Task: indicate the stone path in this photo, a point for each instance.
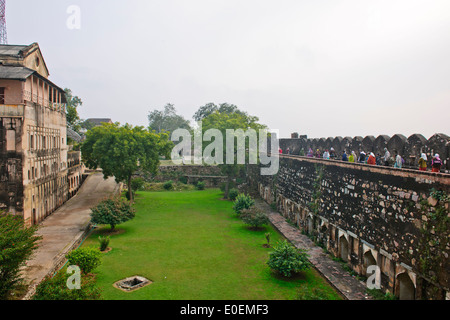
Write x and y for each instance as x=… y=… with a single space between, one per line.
x=65 y=229
x=349 y=287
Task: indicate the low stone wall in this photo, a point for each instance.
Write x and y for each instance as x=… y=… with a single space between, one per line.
x=409 y=148
x=366 y=215
x=211 y=175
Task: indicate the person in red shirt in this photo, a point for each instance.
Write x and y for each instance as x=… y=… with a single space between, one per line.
x=436 y=164
x=372 y=159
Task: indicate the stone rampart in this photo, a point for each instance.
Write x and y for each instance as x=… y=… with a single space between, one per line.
x=365 y=215
x=409 y=148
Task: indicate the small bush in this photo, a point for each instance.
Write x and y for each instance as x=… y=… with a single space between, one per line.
x=86 y=258
x=56 y=289
x=254 y=218
x=168 y=185
x=232 y=194
x=200 y=185
x=104 y=242
x=288 y=260
x=242 y=202
x=137 y=184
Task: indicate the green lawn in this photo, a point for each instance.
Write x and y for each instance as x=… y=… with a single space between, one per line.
x=193 y=247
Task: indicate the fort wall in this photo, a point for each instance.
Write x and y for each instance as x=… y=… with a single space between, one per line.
x=365 y=215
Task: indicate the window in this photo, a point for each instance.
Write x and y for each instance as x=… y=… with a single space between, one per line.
x=2 y=95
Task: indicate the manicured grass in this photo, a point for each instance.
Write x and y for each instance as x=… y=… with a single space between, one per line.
x=193 y=247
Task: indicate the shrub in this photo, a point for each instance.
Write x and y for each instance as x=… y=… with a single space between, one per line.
x=56 y=289
x=17 y=243
x=200 y=185
x=233 y=193
x=86 y=258
x=104 y=242
x=242 y=202
x=254 y=218
x=168 y=185
x=137 y=184
x=183 y=179
x=288 y=260
x=112 y=211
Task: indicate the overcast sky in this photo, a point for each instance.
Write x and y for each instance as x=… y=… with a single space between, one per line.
x=318 y=67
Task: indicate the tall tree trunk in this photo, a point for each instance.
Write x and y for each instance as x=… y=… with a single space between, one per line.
x=227 y=187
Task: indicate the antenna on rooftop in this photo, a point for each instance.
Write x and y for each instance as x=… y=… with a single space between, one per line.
x=3 y=34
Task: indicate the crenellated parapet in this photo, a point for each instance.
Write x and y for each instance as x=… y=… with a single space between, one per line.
x=410 y=148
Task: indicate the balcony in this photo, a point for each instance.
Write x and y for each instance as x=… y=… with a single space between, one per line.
x=28 y=96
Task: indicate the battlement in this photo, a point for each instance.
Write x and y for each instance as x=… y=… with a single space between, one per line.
x=409 y=148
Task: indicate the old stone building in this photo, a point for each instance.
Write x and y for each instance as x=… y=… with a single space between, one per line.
x=33 y=136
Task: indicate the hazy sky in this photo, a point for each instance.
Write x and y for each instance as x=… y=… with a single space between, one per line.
x=318 y=67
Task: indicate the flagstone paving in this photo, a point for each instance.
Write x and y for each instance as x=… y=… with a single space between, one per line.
x=350 y=287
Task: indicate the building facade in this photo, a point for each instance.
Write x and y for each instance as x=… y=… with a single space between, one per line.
x=33 y=136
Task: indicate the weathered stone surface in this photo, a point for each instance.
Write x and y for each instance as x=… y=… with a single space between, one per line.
x=409 y=148
x=377 y=204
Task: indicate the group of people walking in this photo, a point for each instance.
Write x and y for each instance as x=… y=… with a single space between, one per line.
x=370 y=158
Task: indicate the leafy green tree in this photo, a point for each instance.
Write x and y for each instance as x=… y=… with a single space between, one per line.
x=167 y=120
x=211 y=108
x=233 y=119
x=112 y=211
x=17 y=243
x=72 y=117
x=120 y=151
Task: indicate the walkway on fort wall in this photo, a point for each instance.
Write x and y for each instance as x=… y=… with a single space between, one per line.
x=348 y=286
x=65 y=229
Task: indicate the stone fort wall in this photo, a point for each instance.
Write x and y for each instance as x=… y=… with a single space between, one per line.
x=409 y=148
x=365 y=215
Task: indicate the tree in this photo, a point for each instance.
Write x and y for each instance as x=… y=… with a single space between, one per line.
x=210 y=108
x=72 y=117
x=231 y=118
x=120 y=151
x=112 y=211
x=17 y=243
x=167 y=120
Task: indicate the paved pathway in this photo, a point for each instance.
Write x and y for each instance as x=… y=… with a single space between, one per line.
x=65 y=228
x=350 y=287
